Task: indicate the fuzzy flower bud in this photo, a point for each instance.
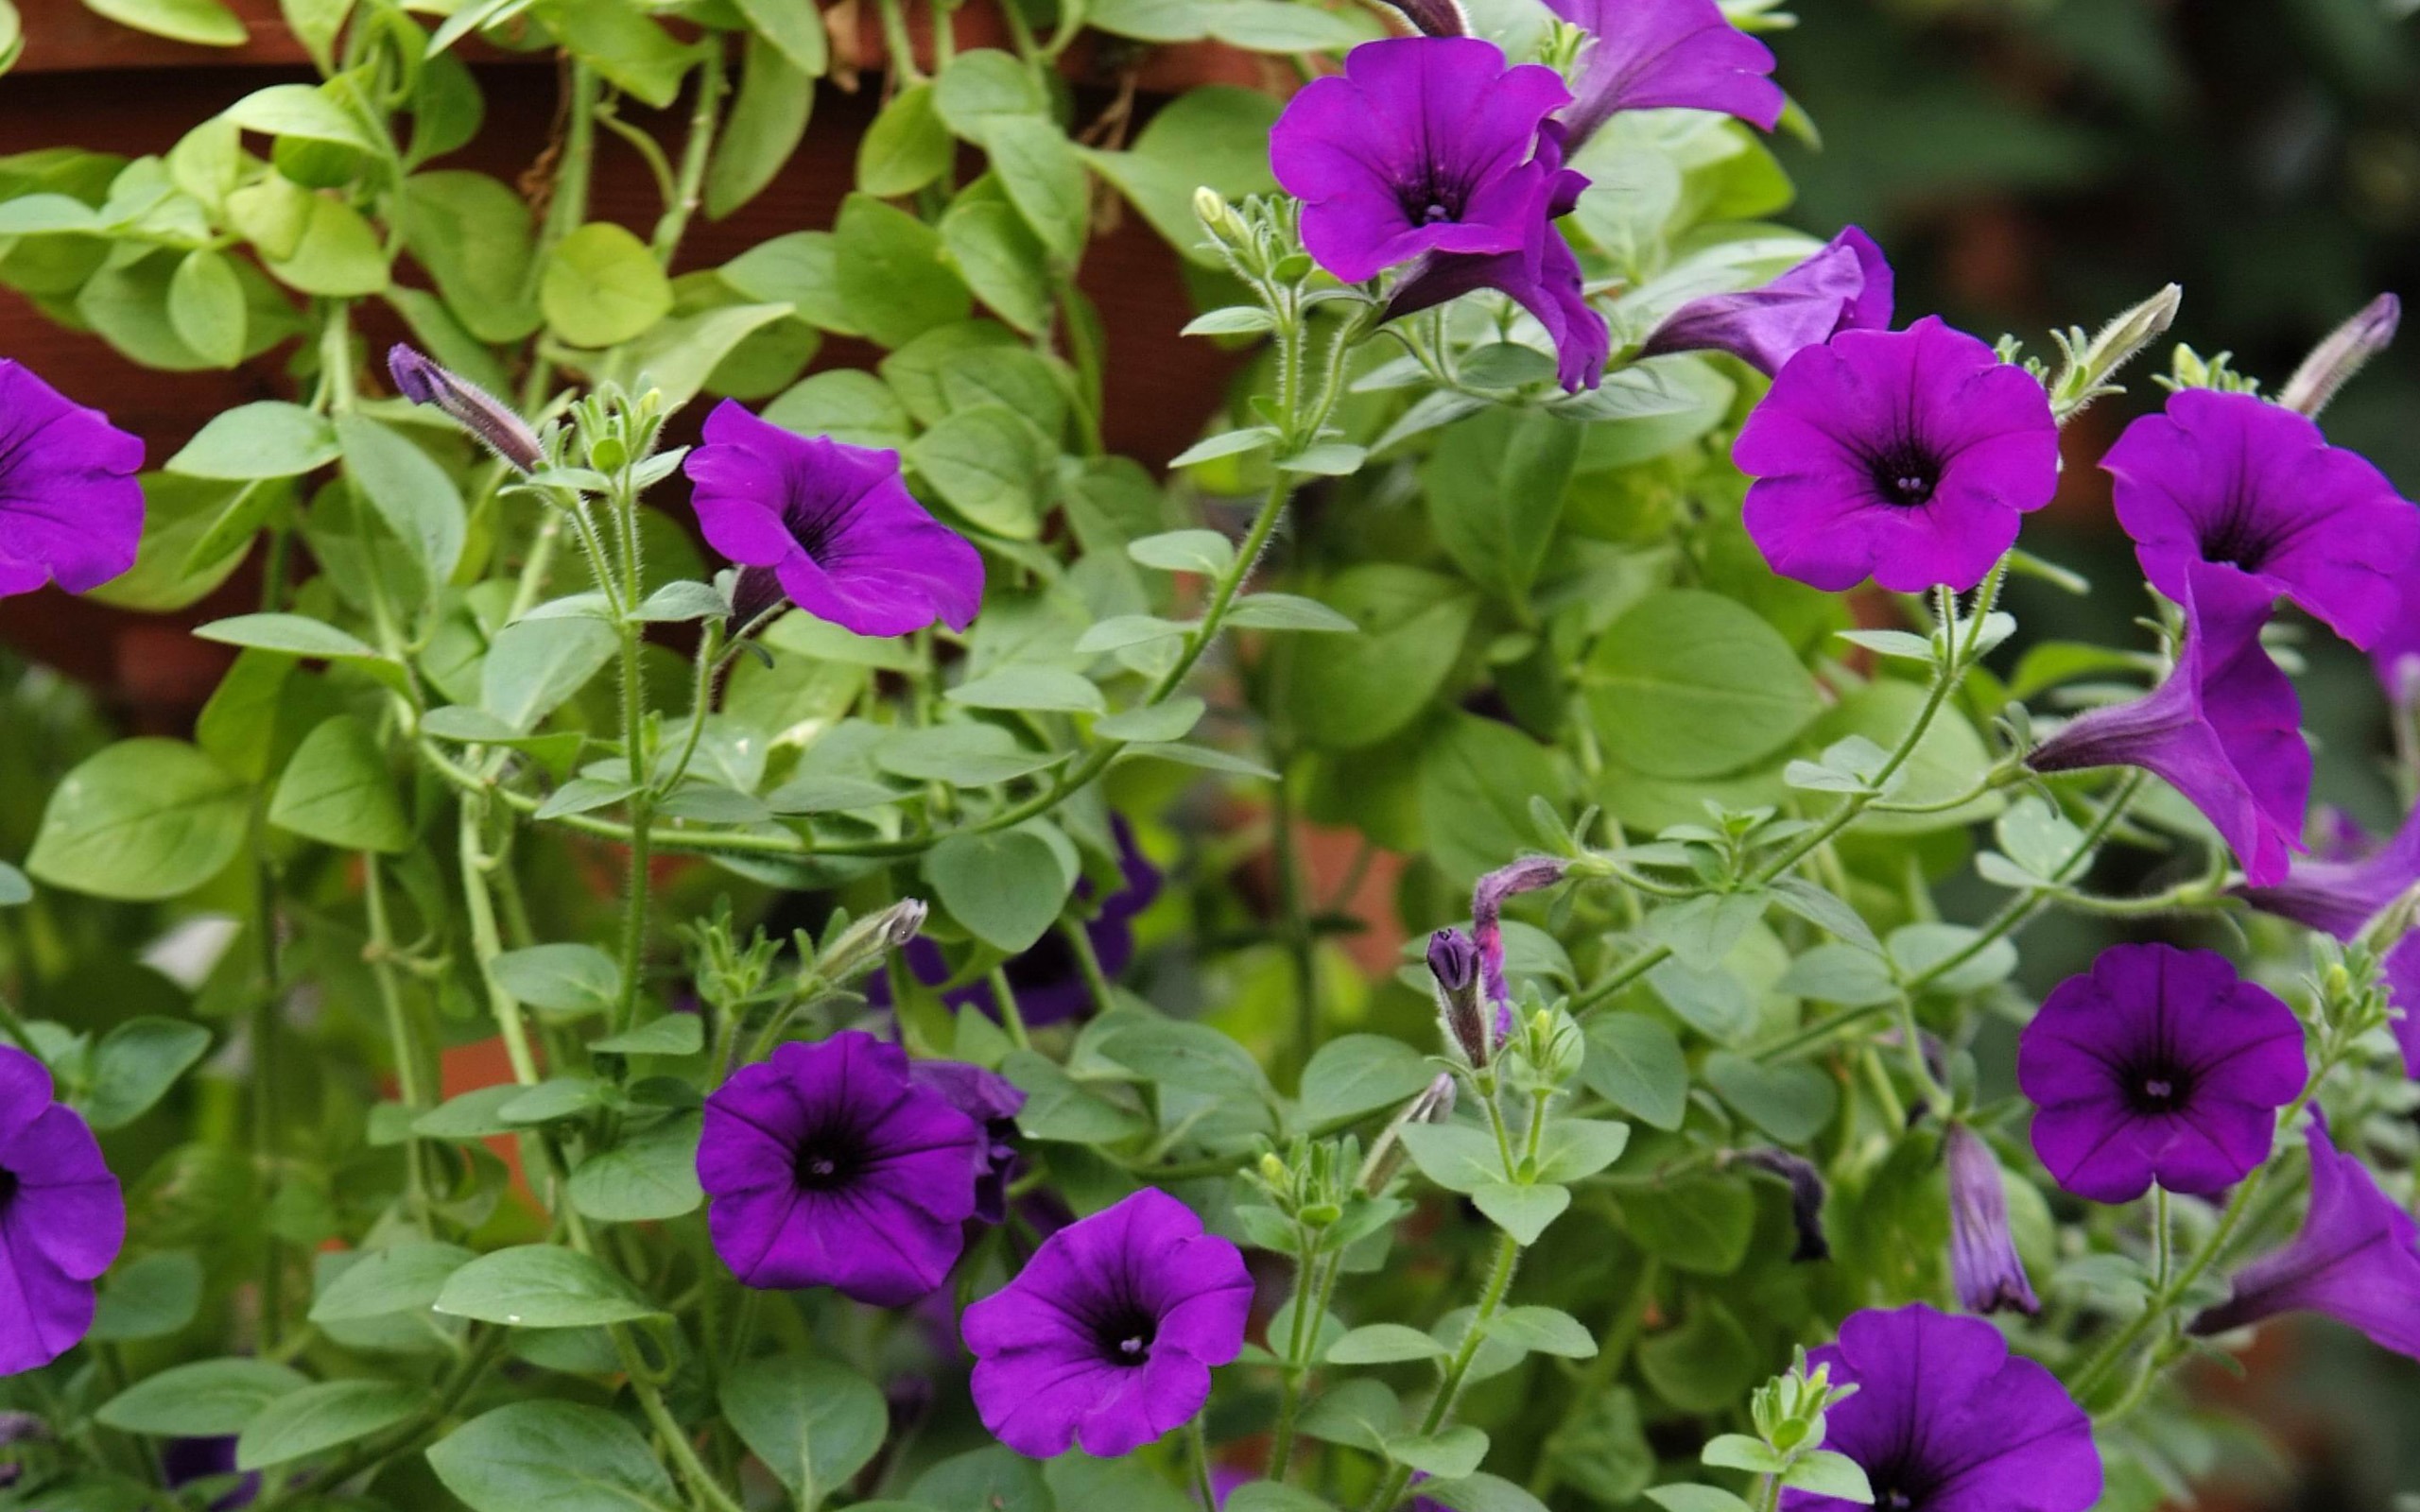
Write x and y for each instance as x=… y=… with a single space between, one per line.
x=1983 y=1257
x=866 y=941
x=2334 y=361
x=470 y=407
x=1454 y=962
x=1434 y=1105
x=1528 y=874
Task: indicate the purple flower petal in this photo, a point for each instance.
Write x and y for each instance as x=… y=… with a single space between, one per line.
x=1846 y=287
x=2340 y=896
x=1945 y=1419
x=2234 y=479
x=1907 y=456
x=1651 y=53
x=1107 y=1338
x=71 y=511
x=62 y=1218
x=835 y=526
x=1983 y=1263
x=2159 y=1065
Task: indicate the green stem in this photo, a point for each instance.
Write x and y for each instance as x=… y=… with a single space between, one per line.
x=1612 y=1351
x=1299 y=947
x=567 y=206
x=1289 y=1398
x=1011 y=1017
x=390 y=999
x=1080 y=941
x=688 y=192
x=265 y=1068
x=642 y=808
x=1449 y=1389
x=486 y=945
x=1202 y=1487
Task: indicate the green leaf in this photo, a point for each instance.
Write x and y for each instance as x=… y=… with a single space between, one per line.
x=888 y=272
x=1523 y=1212
x=1457 y=1157
x=542 y=1286
x=1700 y=1226
x=986 y=464
x=1636 y=1063
x=411 y=494
x=1919 y=950
x=1044 y=180
x=322 y=1417
x=473 y=233
x=1155 y=723
x=1822 y=1472
x=621 y=43
x=141 y=820
x=1944 y=765
x=1282 y=27
x=16 y=891
x=1000 y=259
x=535 y=665
x=602 y=286
x=1577 y=1147
x=1451 y=1453
x=148 y=1298
x=847 y=405
x=1060 y=1108
x=265 y=439
x=1477 y=777
x=309 y=111
x=1359 y=1073
x=1353 y=692
x=383 y=1283
x=1793 y=1101
x=681 y=354
x=1215 y=137
x=337 y=253
x=982 y=84
x=1030 y=687
x=1688 y=683
x=1544 y=1330
x=1384 y=1344
x=552 y=1456
x=1226 y=443
x=814 y=1423
x=294 y=634
x=1494 y=486
x=206 y=306
x=473 y=1115
x=1007 y=888
x=675 y=1034
x=1737 y=1452
x=906 y=148
x=568 y=979
x=1705 y=1364
x=1481 y=1492
x=996 y=1480
x=202 y=23
x=338 y=790
x=967 y=755
x=765 y=127
x=135 y=1064
x=1286 y=611
x=1695 y=1499
x=1204 y=552
x=795 y=27
x=651 y=1175
x=802 y=270
x=1267 y=1496
x=208 y=1399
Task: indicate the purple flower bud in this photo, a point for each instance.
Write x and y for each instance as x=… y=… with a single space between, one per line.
x=1807 y=1193
x=2332 y=364
x=1454 y=960
x=1438 y=18
x=1982 y=1258
x=467 y=404
x=1528 y=874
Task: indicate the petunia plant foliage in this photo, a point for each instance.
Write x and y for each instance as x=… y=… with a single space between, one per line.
x=757 y=919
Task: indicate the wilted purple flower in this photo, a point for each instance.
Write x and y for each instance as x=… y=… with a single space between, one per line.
x=1432 y=1104
x=183 y=1461
x=1048 y=981
x=1422 y=144
x=829 y=524
x=1528 y=874
x=1907 y=456
x=2348 y=348
x=2235 y=480
x=2340 y=896
x=830 y=1166
x=1108 y=1335
x=1807 y=1194
x=1984 y=1264
x=2224 y=727
x=1846 y=287
x=61 y=1218
x=2356 y=1260
x=2159 y=1065
x=1453 y=970
x=1651 y=53
x=1945 y=1419
x=1542 y=276
x=467 y=404
x=992 y=1102
x=70 y=509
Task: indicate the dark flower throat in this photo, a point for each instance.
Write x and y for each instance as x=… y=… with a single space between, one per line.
x=1125 y=1335
x=1905 y=475
x=9 y=1185
x=827 y=1159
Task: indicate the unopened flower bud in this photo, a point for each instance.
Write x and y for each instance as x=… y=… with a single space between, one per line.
x=1272 y=1170
x=1528 y=874
x=1437 y=18
x=467 y=404
x=1454 y=963
x=866 y=941
x=1984 y=1266
x=2334 y=361
x=1434 y=1105
x=1806 y=1199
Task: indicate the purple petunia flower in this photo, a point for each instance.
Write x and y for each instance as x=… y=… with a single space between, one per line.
x=183 y=1461
x=2161 y=1065
x=1983 y=1263
x=2224 y=727
x=1846 y=287
x=474 y=409
x=992 y=1102
x=830 y=525
x=2233 y=478
x=1047 y=981
x=2394 y=654
x=1649 y=54
x=2356 y=1260
x=2402 y=969
x=61 y=1218
x=830 y=1166
x=1529 y=874
x=1108 y=1335
x=1905 y=456
x=1945 y=1419
x=2340 y=896
x=1542 y=276
x=1454 y=968
x=71 y=511
x=1422 y=144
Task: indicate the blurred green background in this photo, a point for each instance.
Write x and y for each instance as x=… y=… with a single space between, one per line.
x=2031 y=163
